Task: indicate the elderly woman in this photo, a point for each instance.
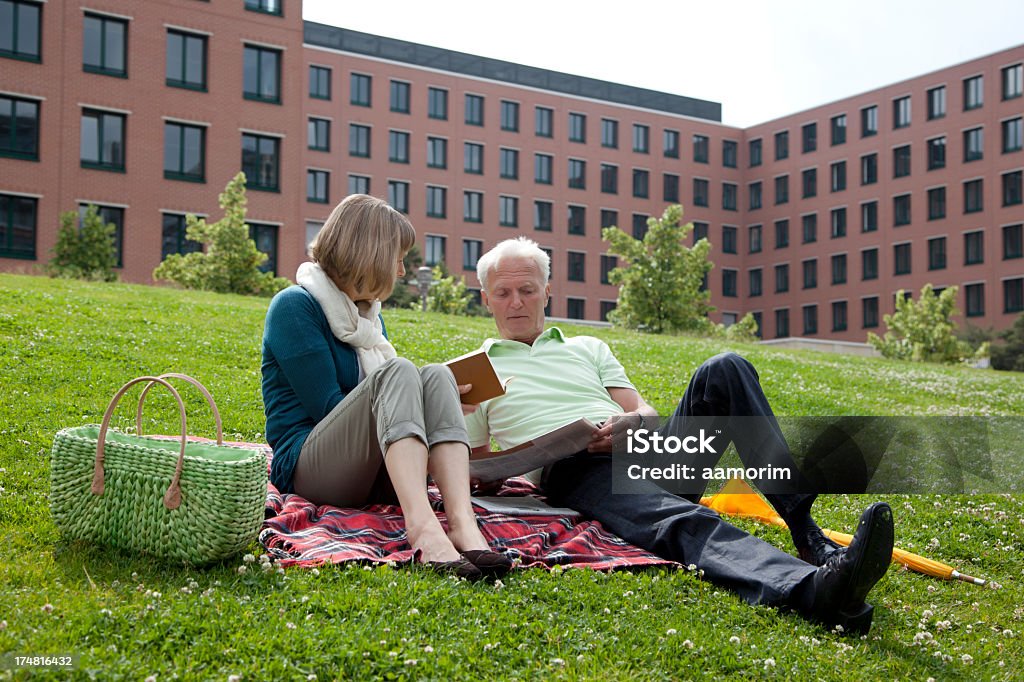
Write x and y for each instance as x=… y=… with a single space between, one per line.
x=352 y=424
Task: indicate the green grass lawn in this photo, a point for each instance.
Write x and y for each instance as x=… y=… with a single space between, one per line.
x=65 y=347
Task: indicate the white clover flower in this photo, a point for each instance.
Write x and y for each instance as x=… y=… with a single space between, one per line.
x=498 y=585
x=1007 y=632
x=242 y=569
x=428 y=649
x=106 y=612
x=264 y=558
x=927 y=614
x=488 y=646
x=151 y=678
x=557 y=661
x=967 y=659
x=311 y=677
x=267 y=568
x=315 y=572
x=3 y=624
x=249 y=558
x=769 y=663
x=47 y=608
x=411 y=661
x=392 y=654
x=687 y=644
x=670 y=632
x=234 y=678
x=691 y=567
x=290 y=625
x=734 y=640
x=607 y=610
x=414 y=611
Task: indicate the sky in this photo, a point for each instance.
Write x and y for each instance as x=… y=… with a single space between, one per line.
x=759 y=59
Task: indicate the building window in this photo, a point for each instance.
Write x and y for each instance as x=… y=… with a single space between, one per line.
x=937 y=153
x=609 y=218
x=359 y=140
x=839 y=268
x=1012 y=189
x=974 y=247
x=319 y=81
x=839 y=316
x=809 y=138
x=110 y=215
x=781 y=234
x=102 y=145
x=1013 y=242
x=542 y=212
x=609 y=133
x=317 y=186
x=974 y=92
x=398 y=146
x=609 y=178
x=510 y=116
x=18 y=226
x=838 y=222
x=869 y=216
x=670 y=144
x=508 y=162
x=473 y=158
x=869 y=169
x=318 y=135
x=20 y=34
x=781 y=190
x=471 y=251
x=869 y=308
x=754 y=152
x=543 y=122
x=809 y=228
x=869 y=264
x=437 y=202
x=728 y=196
x=810 y=313
x=975 y=295
x=670 y=188
x=1012 y=81
x=700 y=192
x=701 y=146
x=729 y=282
x=901 y=259
x=640 y=226
x=901 y=210
x=1012 y=135
x=782 y=145
x=437 y=103
x=754 y=282
x=869 y=121
x=754 y=238
x=901 y=112
x=974 y=144
x=901 y=161
x=809 y=182
x=730 y=153
x=173 y=239
x=184 y=152
x=577 y=220
x=19 y=127
x=838 y=176
x=641 y=139
x=542 y=168
x=358 y=184
x=700 y=231
x=782 y=278
x=186 y=61
x=474 y=110
x=260 y=162
x=782 y=323
x=754 y=194
x=937 y=203
x=838 y=129
x=642 y=184
x=437 y=152
x=608 y=263
x=400 y=97
x=728 y=239
x=937 y=102
x=472 y=207
x=1013 y=295
x=104 y=45
x=398 y=195
x=577 y=266
x=606 y=309
x=937 y=253
x=508 y=211
x=577 y=127
x=265 y=6
x=574 y=308
x=577 y=174
x=810 y=272
x=262 y=74
x=434 y=250
x=973 y=196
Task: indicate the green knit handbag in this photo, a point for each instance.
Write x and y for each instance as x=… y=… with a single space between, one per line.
x=183 y=500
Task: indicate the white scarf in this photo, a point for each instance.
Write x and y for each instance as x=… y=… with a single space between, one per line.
x=364 y=333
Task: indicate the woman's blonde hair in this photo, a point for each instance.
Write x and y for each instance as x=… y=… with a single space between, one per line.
x=361 y=243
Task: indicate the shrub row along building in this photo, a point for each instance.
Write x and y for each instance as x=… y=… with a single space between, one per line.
x=816 y=220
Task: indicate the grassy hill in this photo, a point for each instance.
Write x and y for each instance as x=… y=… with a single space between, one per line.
x=65 y=347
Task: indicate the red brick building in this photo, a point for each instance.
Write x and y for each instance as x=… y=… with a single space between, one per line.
x=148 y=108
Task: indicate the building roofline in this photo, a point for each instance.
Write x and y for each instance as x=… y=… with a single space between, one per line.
x=416 y=54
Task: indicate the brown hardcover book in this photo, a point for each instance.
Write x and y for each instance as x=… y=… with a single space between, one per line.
x=476 y=368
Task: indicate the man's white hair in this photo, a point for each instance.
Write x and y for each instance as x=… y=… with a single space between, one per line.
x=520 y=247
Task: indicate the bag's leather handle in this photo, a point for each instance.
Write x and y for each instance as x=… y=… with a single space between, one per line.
x=194 y=382
x=172 y=498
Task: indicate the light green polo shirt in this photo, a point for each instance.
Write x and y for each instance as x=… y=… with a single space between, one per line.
x=557 y=380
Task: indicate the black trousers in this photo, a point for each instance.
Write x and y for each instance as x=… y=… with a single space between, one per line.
x=679 y=528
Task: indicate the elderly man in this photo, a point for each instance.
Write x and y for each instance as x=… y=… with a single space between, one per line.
x=560 y=378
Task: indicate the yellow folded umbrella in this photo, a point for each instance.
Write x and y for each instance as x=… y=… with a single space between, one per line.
x=736 y=498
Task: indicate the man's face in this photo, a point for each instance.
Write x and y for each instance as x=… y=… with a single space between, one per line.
x=516 y=294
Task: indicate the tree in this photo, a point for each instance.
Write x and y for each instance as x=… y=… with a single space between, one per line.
x=229 y=261
x=448 y=295
x=922 y=330
x=403 y=295
x=85 y=247
x=1011 y=355
x=661 y=284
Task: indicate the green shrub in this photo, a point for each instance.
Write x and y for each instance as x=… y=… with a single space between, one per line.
x=1011 y=355
x=448 y=295
x=85 y=247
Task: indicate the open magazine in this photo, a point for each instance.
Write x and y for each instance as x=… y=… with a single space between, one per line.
x=534 y=454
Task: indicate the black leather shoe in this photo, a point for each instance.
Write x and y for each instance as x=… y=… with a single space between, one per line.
x=460 y=568
x=815 y=547
x=490 y=563
x=845 y=579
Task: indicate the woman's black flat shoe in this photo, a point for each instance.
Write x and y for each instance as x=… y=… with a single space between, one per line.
x=460 y=568
x=490 y=563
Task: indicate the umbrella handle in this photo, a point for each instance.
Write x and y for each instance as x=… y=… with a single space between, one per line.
x=968 y=578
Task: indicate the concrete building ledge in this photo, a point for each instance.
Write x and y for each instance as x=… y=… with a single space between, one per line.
x=826 y=345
